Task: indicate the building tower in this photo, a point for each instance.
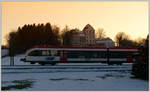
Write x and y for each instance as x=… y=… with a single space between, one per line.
x=89 y=33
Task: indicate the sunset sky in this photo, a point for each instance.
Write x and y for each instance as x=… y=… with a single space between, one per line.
x=113 y=17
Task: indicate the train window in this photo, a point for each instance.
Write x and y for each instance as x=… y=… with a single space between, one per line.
x=35 y=53
x=91 y=54
x=75 y=54
x=129 y=55
x=54 y=52
x=117 y=54
x=65 y=54
x=45 y=53
x=103 y=54
x=86 y=54
x=50 y=53
x=96 y=54
x=61 y=54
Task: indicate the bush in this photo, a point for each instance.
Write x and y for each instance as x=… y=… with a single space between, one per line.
x=140 y=68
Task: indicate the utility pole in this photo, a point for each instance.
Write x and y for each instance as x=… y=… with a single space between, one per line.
x=11 y=54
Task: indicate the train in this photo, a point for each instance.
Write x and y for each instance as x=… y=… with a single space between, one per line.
x=76 y=54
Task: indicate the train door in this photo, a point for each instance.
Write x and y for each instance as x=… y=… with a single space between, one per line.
x=63 y=56
x=129 y=58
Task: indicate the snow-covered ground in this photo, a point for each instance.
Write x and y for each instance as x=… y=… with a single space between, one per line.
x=4 y=52
x=69 y=77
x=6 y=60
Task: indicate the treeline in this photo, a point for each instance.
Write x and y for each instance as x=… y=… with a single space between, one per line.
x=30 y=35
x=123 y=40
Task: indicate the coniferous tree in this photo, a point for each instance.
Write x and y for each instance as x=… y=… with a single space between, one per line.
x=30 y=35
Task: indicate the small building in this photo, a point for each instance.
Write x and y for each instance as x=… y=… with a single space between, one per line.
x=89 y=33
x=82 y=39
x=105 y=42
x=78 y=38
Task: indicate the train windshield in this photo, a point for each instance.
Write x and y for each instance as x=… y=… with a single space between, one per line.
x=35 y=53
x=43 y=53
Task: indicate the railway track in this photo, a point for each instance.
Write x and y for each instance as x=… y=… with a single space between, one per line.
x=63 y=68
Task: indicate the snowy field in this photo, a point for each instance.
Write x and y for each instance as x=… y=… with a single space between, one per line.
x=4 y=52
x=69 y=77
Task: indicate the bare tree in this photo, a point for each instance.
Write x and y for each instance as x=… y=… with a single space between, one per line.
x=139 y=41
x=100 y=33
x=123 y=40
x=65 y=29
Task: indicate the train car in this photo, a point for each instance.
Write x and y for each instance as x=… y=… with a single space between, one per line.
x=52 y=55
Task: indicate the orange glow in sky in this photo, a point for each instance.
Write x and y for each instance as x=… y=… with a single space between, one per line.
x=113 y=17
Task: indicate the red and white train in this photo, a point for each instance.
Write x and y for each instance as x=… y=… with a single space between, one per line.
x=53 y=54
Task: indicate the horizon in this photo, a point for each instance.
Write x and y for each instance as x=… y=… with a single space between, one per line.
x=114 y=17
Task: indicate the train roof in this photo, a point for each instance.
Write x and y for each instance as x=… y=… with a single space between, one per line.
x=84 y=47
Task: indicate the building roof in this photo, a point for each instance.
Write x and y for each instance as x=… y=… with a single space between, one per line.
x=88 y=26
x=104 y=39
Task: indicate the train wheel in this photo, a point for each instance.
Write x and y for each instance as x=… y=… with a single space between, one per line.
x=42 y=63
x=32 y=62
